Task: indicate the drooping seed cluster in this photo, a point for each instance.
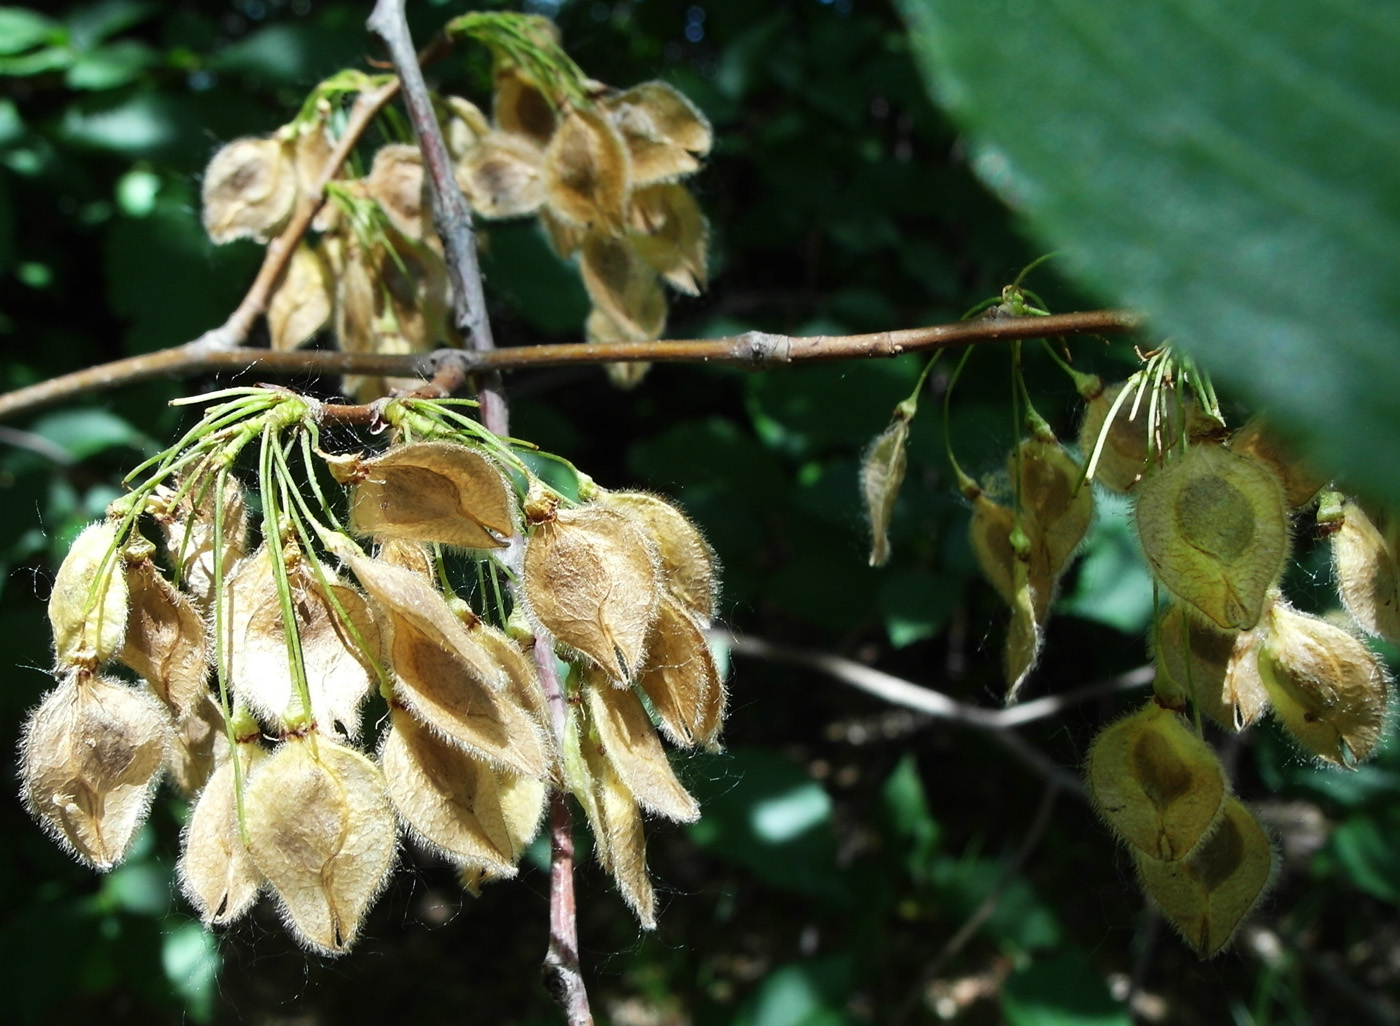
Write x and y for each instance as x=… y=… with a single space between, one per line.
x=1214 y=510
x=237 y=645
x=599 y=167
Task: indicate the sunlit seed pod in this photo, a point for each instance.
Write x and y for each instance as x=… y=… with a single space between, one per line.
x=1329 y=690
x=447 y=798
x=90 y=759
x=689 y=567
x=520 y=108
x=321 y=830
x=1214 y=529
x=216 y=872
x=337 y=654
x=522 y=677
x=463 y=125
x=1158 y=786
x=587 y=175
x=301 y=300
x=187 y=526
x=1210 y=892
x=670 y=233
x=881 y=474
x=1364 y=565
x=395 y=182
x=592 y=579
x=442 y=676
x=311 y=152
x=990 y=533
x=624 y=286
x=1258 y=440
x=503 y=176
x=355 y=306
x=1024 y=636
x=680 y=678
x=434 y=492
x=90 y=597
x=1123 y=458
x=165 y=639
x=1218 y=669
x=197 y=738
x=626 y=738
x=663 y=130
x=1057 y=505
x=249 y=189
x=613 y=817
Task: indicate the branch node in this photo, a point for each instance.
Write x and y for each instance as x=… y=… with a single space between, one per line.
x=763 y=349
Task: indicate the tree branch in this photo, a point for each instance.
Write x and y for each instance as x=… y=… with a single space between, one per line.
x=997 y=723
x=754 y=350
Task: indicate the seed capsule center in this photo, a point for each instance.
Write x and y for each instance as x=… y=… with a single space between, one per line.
x=1215 y=517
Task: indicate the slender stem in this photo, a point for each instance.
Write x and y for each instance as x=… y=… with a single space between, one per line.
x=452 y=216
x=753 y=349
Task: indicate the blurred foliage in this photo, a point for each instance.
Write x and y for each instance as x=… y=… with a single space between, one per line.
x=844 y=843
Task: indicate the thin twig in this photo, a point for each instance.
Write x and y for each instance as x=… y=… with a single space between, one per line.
x=753 y=350
x=452 y=221
x=997 y=723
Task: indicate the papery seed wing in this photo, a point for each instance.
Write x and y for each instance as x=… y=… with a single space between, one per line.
x=670 y=233
x=89 y=602
x=1209 y=893
x=320 y=828
x=249 y=188
x=434 y=492
x=680 y=678
x=623 y=286
x=90 y=759
x=881 y=475
x=301 y=301
x=503 y=176
x=1368 y=578
x=1214 y=529
x=587 y=173
x=628 y=741
x=1157 y=785
x=591 y=579
x=216 y=872
x=449 y=800
x=165 y=639
x=689 y=567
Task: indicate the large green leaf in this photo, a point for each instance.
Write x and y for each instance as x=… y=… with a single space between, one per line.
x=1229 y=168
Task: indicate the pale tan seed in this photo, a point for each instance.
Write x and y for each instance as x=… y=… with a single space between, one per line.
x=881 y=475
x=670 y=233
x=448 y=799
x=1024 y=636
x=302 y=299
x=434 y=492
x=591 y=578
x=680 y=678
x=1214 y=529
x=447 y=680
x=90 y=759
x=663 y=130
x=395 y=182
x=1217 y=669
x=521 y=109
x=1364 y=565
x=249 y=188
x=1057 y=507
x=320 y=829
x=197 y=738
x=1210 y=892
x=188 y=530
x=1158 y=786
x=623 y=286
x=587 y=173
x=165 y=639
x=89 y=602
x=216 y=872
x=1328 y=689
x=689 y=567
x=503 y=176
x=626 y=738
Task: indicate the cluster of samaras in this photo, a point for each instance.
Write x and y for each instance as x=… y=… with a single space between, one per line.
x=1212 y=510
x=623 y=583
x=599 y=167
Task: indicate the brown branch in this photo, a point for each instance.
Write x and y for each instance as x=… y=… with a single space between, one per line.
x=754 y=350
x=999 y=724
x=452 y=217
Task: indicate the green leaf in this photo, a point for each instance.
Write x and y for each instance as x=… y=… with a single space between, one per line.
x=22 y=29
x=190 y=957
x=910 y=820
x=801 y=994
x=109 y=67
x=1061 y=991
x=1113 y=585
x=1367 y=847
x=90 y=25
x=1228 y=168
x=82 y=433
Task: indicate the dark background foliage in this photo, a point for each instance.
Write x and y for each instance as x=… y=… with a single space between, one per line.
x=844 y=843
